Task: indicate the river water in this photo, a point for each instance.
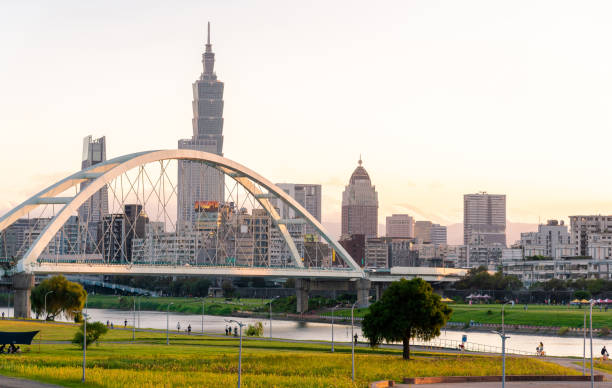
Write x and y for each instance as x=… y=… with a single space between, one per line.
x=553 y=345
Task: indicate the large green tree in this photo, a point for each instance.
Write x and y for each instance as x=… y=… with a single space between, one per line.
x=407 y=309
x=63 y=296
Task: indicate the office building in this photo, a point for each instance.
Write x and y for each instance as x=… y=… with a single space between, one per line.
x=438 y=234
x=399 y=226
x=484 y=219
x=376 y=253
x=354 y=244
x=422 y=231
x=94 y=208
x=360 y=205
x=307 y=195
x=196 y=181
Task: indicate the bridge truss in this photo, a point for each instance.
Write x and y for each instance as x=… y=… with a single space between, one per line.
x=127 y=216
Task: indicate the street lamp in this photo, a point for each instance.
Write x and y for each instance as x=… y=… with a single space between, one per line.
x=48 y=292
x=203 y=298
x=168 y=324
x=353 y=341
x=584 y=343
x=85 y=316
x=592 y=302
x=270 y=317
x=240 y=351
x=134 y=319
x=332 y=325
x=503 y=338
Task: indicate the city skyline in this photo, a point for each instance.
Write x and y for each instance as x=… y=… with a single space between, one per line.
x=131 y=110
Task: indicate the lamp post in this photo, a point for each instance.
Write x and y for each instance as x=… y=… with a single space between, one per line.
x=584 y=344
x=353 y=341
x=270 y=316
x=48 y=292
x=168 y=324
x=134 y=319
x=203 y=314
x=592 y=302
x=503 y=338
x=240 y=351
x=332 y=325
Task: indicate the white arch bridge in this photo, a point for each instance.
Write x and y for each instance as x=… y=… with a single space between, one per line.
x=132 y=215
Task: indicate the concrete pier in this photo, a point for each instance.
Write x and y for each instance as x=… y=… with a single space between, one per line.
x=23 y=284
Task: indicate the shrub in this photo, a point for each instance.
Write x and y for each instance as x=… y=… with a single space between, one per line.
x=563 y=331
x=95 y=330
x=489 y=312
x=604 y=331
x=255 y=330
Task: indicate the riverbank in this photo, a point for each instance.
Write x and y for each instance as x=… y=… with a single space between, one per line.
x=212 y=362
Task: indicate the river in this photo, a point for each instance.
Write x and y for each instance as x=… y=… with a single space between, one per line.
x=553 y=345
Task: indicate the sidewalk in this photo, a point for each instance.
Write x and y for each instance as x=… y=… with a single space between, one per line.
x=522 y=384
x=13 y=382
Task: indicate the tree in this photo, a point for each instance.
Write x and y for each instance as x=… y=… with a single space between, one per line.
x=255 y=330
x=95 y=330
x=228 y=288
x=66 y=297
x=480 y=279
x=407 y=309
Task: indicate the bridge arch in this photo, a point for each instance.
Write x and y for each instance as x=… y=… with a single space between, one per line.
x=101 y=174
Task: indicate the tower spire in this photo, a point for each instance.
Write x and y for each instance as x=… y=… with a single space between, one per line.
x=360 y=161
x=208 y=58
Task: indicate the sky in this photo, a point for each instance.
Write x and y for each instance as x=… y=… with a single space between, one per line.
x=441 y=98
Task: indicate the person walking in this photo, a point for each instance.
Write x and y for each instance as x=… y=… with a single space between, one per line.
x=178 y=326
x=355 y=339
x=189 y=329
x=604 y=354
x=125 y=323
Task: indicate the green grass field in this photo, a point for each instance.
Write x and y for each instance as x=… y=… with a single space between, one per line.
x=192 y=361
x=213 y=306
x=535 y=315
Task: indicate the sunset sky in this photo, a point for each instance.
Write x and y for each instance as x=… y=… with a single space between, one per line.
x=441 y=98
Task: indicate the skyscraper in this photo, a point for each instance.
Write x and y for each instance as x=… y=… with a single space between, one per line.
x=198 y=182
x=360 y=205
x=484 y=219
x=95 y=208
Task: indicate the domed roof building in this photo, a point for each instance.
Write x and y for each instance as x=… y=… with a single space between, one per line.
x=360 y=205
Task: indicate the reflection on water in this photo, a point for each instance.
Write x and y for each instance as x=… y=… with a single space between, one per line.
x=553 y=345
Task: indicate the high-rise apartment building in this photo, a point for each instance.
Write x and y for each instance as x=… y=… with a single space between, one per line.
x=484 y=219
x=95 y=208
x=196 y=181
x=360 y=205
x=400 y=226
x=591 y=236
x=551 y=240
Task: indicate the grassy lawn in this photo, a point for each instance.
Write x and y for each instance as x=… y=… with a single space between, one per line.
x=212 y=362
x=213 y=306
x=535 y=315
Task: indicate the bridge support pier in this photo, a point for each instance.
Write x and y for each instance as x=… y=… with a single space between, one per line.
x=302 y=286
x=22 y=284
x=363 y=292
x=378 y=288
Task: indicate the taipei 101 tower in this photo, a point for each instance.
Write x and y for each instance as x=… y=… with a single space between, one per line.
x=198 y=182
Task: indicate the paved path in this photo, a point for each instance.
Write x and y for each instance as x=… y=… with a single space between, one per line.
x=12 y=382
x=513 y=384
